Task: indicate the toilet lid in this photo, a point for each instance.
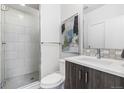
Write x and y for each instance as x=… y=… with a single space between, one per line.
x=51 y=80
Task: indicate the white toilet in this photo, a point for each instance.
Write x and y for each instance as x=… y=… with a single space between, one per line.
x=55 y=80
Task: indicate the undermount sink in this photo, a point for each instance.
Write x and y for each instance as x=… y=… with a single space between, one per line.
x=96 y=61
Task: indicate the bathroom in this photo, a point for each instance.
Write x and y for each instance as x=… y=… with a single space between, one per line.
x=93 y=58
x=61 y=46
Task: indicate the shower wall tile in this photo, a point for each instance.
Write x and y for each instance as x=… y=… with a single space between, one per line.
x=17 y=64
x=13 y=73
x=10 y=37
x=11 y=55
x=21 y=37
x=14 y=28
x=11 y=46
x=14 y=17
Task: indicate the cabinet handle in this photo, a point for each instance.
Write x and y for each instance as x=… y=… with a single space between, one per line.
x=80 y=75
x=86 y=77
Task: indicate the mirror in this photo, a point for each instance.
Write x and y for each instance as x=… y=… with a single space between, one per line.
x=104 y=26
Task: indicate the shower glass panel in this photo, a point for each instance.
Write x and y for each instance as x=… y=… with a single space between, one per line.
x=20 y=46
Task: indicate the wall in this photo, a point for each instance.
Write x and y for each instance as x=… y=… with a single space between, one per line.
x=51 y=18
x=101 y=14
x=50 y=32
x=68 y=10
x=50 y=23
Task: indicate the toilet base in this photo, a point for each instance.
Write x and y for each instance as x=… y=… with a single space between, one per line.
x=61 y=86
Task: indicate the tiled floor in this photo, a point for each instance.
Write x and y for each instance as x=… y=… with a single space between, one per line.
x=19 y=81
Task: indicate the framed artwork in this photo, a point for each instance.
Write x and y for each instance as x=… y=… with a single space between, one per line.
x=70 y=37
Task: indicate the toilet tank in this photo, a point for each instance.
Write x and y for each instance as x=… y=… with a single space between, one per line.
x=62 y=66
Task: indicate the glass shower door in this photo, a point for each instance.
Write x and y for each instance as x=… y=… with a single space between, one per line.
x=20 y=45
x=14 y=47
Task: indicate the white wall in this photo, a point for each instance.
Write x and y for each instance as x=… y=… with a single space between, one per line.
x=68 y=10
x=50 y=23
x=51 y=18
x=101 y=14
x=50 y=32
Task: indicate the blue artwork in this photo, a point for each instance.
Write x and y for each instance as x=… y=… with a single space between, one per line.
x=70 y=40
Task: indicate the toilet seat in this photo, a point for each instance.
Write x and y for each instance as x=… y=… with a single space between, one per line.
x=52 y=80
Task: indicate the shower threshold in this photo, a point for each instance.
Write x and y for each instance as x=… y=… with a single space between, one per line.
x=23 y=80
x=34 y=85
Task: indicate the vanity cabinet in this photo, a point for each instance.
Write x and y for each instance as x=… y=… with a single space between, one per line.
x=81 y=77
x=74 y=74
x=102 y=80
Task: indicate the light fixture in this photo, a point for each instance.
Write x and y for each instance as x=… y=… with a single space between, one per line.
x=22 y=4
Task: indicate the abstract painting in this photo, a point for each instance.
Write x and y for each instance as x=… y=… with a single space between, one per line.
x=70 y=38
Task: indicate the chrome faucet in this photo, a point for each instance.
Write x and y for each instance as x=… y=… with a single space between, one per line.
x=98 y=54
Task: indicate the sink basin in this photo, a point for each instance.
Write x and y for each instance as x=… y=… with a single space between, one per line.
x=96 y=61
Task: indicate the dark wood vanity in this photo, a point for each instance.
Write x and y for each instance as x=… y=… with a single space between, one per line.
x=81 y=77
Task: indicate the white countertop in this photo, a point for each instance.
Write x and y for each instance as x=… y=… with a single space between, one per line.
x=111 y=66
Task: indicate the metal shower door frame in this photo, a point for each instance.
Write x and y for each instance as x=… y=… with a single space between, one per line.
x=3 y=44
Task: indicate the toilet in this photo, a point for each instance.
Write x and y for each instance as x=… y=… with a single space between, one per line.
x=55 y=80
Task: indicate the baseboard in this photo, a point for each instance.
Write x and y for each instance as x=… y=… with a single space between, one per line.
x=34 y=85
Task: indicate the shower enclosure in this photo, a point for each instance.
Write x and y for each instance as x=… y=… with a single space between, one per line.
x=19 y=46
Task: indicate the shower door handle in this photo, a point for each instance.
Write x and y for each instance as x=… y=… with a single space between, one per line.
x=3 y=43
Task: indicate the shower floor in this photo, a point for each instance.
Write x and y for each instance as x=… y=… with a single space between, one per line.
x=19 y=81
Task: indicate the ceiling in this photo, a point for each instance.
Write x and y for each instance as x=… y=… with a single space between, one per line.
x=90 y=7
x=87 y=7
x=35 y=6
